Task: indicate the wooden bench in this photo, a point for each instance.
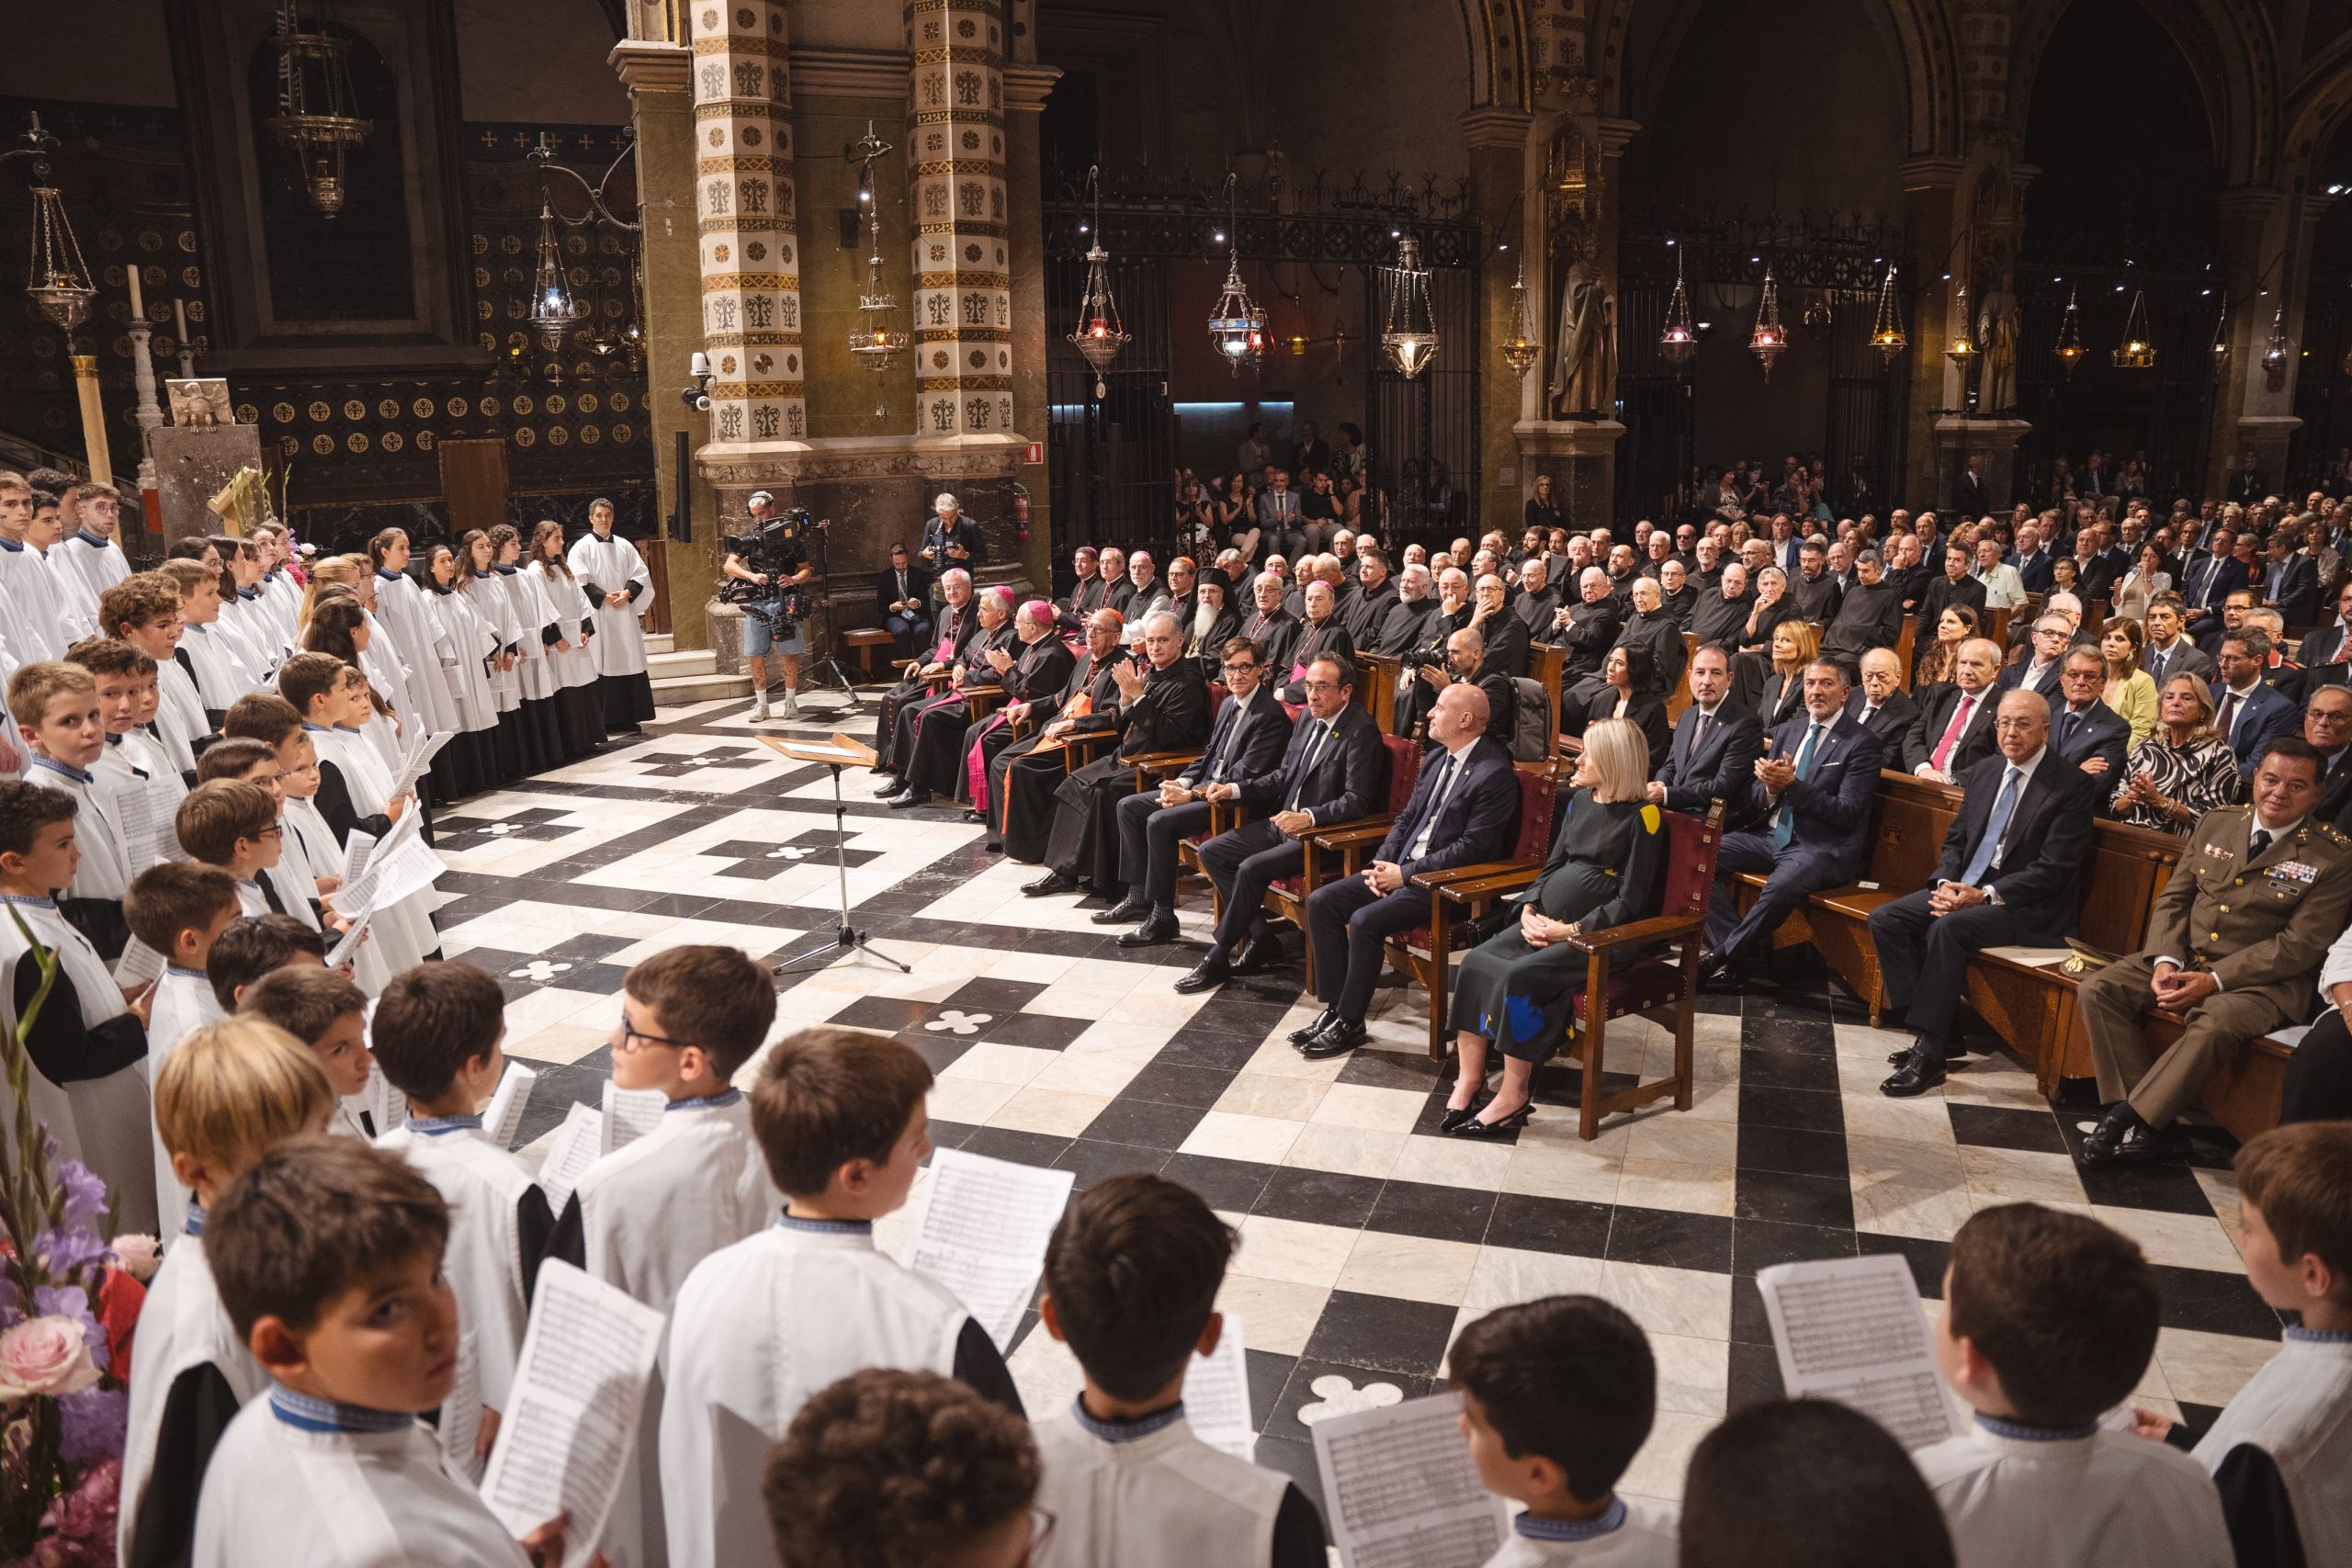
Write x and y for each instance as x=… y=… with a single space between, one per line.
x=864 y=640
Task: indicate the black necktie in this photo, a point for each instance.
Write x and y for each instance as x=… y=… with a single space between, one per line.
x=2255 y=845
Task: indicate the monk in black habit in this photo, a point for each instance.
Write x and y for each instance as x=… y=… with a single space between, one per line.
x=1024 y=773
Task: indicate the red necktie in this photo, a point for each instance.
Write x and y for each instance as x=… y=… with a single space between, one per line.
x=1952 y=732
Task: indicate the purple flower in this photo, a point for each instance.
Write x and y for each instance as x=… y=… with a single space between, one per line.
x=68 y=1250
x=85 y=1192
x=91 y=1424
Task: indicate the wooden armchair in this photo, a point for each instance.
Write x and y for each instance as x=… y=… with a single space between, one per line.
x=1464 y=892
x=1287 y=896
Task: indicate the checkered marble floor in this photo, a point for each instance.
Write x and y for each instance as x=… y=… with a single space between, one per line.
x=1368 y=1238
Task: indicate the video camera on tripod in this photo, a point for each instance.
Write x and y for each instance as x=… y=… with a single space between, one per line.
x=770 y=549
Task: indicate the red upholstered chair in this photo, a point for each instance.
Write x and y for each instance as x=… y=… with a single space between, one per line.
x=1287 y=896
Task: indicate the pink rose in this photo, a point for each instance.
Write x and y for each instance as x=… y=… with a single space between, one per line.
x=45 y=1356
x=137 y=1255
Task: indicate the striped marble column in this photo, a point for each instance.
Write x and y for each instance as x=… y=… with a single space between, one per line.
x=743 y=207
x=963 y=308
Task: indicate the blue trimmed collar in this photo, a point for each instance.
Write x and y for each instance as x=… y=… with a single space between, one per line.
x=389 y=576
x=305 y=1414
x=194 y=1224
x=824 y=1227
x=68 y=768
x=187 y=974
x=1611 y=1520
x=2319 y=1336
x=14 y=546
x=91 y=539
x=705 y=1102
x=441 y=1126
x=2018 y=1431
x=248 y=593
x=1125 y=1431
x=29 y=902
x=505 y=568
x=316 y=728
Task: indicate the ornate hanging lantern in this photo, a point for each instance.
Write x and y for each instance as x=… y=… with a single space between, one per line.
x=1680 y=340
x=57 y=280
x=2220 y=350
x=1769 y=337
x=2274 y=352
x=314 y=101
x=2069 y=335
x=1961 y=347
x=875 y=338
x=1410 y=339
x=1519 y=349
x=2135 y=352
x=553 y=308
x=1100 y=333
x=1237 y=326
x=1887 y=331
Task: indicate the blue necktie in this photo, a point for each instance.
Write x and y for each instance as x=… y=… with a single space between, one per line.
x=1995 y=825
x=1785 y=821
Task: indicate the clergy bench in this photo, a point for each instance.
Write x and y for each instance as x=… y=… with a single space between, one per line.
x=864 y=640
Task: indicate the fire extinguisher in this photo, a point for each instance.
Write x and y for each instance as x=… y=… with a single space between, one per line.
x=1021 y=513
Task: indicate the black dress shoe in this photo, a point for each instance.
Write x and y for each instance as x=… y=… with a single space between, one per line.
x=1315 y=1026
x=1262 y=956
x=2122 y=1138
x=890 y=785
x=1125 y=910
x=909 y=796
x=994 y=846
x=1052 y=882
x=1344 y=1036
x=1896 y=1058
x=1718 y=974
x=1473 y=1128
x=974 y=817
x=1155 y=932
x=1206 y=975
x=1453 y=1120
x=1917 y=1075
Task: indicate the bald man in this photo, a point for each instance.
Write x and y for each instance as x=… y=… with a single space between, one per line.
x=1464 y=811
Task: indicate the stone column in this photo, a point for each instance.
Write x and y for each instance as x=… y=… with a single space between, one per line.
x=963 y=328
x=1497 y=142
x=2267 y=236
x=1026 y=88
x=1930 y=187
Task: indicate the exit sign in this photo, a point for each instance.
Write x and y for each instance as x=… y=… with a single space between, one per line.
x=1035 y=454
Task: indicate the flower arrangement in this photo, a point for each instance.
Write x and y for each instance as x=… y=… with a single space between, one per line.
x=68 y=1302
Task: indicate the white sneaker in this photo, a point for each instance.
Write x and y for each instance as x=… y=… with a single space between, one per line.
x=759 y=707
x=791 y=709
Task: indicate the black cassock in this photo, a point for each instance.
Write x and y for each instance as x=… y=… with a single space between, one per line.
x=957 y=627
x=936 y=762
x=947 y=708
x=1022 y=776
x=1172 y=714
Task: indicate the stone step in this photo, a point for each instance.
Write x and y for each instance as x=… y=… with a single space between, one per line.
x=683 y=691
x=694 y=662
x=659 y=642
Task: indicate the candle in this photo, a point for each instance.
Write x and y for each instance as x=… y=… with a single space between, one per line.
x=179 y=323
x=138 y=305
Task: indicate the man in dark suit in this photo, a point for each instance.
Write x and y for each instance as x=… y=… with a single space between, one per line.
x=2207 y=582
x=1972 y=493
x=1716 y=745
x=1086 y=591
x=2249 y=484
x=1250 y=733
x=2291 y=581
x=2007 y=877
x=2084 y=731
x=1319 y=636
x=1465 y=664
x=1335 y=770
x=902 y=598
x=1463 y=811
x=1870 y=615
x=2248 y=712
x=2326 y=654
x=1163 y=706
x=1956 y=586
x=1502 y=634
x=2032 y=561
x=1880 y=704
x=2039 y=670
x=1954 y=729
x=1812 y=797
x=2168 y=652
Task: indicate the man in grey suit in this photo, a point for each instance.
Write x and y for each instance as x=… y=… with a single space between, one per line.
x=2168 y=653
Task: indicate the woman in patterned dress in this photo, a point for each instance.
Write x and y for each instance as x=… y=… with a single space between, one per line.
x=2184 y=769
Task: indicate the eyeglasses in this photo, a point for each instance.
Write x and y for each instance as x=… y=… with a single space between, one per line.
x=2013 y=726
x=1238 y=666
x=628 y=1041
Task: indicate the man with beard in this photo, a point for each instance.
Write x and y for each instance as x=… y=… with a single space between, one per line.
x=1366 y=611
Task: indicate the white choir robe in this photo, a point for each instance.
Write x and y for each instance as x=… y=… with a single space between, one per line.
x=131 y=766
x=400 y=610
x=486 y=591
x=251 y=641
x=280 y=1494
x=99 y=562
x=183 y=1004
x=1643 y=1535
x=405 y=929
x=612 y=565
x=1160 y=1499
x=106 y=870
x=76 y=602
x=2104 y=1499
x=534 y=613
x=759 y=1329
x=103 y=1123
x=574 y=666
x=185 y=1334
x=2290 y=1428
x=12 y=740
x=640 y=1220
x=36 y=620
x=145 y=749
x=220 y=681
x=180 y=717
x=467 y=642
x=308 y=844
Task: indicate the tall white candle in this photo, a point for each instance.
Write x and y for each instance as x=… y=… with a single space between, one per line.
x=138 y=305
x=179 y=323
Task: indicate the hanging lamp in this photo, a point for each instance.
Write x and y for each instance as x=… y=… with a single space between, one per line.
x=1236 y=325
x=1769 y=337
x=553 y=307
x=2135 y=352
x=1100 y=333
x=2220 y=350
x=314 y=102
x=2070 y=333
x=1519 y=349
x=875 y=338
x=1410 y=338
x=2274 y=352
x=1960 y=348
x=1887 y=331
x=1680 y=340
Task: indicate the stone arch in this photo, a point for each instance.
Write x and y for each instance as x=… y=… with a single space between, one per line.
x=2315 y=111
x=2229 y=46
x=1495 y=31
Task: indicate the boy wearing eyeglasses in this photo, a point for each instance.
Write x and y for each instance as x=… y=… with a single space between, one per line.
x=645 y=1214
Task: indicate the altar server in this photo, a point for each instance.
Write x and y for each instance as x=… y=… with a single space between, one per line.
x=617 y=583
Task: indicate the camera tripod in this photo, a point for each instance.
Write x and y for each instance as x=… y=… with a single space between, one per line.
x=824 y=670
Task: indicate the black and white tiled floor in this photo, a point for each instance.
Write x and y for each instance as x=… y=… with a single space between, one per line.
x=1366 y=1237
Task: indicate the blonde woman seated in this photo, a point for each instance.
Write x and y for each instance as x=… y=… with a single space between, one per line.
x=2184 y=769
x=2130 y=691
x=1794 y=646
x=1932 y=664
x=1514 y=989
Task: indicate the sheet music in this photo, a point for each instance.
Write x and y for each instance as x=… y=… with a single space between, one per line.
x=983 y=1234
x=357 y=850
x=348 y=943
x=1400 y=1489
x=630 y=1113
x=387 y=1107
x=577 y=1144
x=138 y=822
x=140 y=964
x=1216 y=1395
x=394 y=872
x=572 y=1417
x=504 y=1117
x=418 y=758
x=1851 y=1329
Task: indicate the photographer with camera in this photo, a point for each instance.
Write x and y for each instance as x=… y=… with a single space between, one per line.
x=951 y=540
x=772 y=618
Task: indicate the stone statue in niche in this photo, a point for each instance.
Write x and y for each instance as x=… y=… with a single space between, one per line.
x=1584 y=358
x=1999 y=324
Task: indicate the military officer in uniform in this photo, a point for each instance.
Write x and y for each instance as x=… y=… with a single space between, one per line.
x=2233 y=947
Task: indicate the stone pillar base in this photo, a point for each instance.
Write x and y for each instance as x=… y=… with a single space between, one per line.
x=725 y=625
x=1959 y=438
x=2267 y=437
x=192 y=462
x=1582 y=458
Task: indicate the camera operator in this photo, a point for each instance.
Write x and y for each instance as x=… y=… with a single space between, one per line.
x=786 y=556
x=950 y=541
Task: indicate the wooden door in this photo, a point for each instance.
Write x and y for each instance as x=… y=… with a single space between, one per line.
x=473 y=483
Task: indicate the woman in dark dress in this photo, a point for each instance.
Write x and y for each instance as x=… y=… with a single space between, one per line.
x=1514 y=988
x=1631 y=692
x=1541 y=511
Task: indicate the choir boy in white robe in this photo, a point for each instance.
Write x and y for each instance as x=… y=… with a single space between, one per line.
x=29 y=609
x=436 y=1035
x=645 y=1214
x=2049 y=1320
x=93 y=511
x=227 y=1096
x=479 y=583
x=242 y=621
x=401 y=610
x=208 y=658
x=762 y=1325
x=177 y=908
x=1131 y=1283
x=76 y=607
x=144 y=747
x=231 y=820
x=132 y=769
x=620 y=588
x=144 y=610
x=534 y=667
x=86 y=1049
x=56 y=707
x=332 y=1469
x=470 y=646
x=328 y=1014
x=578 y=701
x=2281 y=1451
x=354 y=792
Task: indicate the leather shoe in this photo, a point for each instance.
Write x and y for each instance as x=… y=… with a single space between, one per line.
x=907 y=797
x=1052 y=882
x=1718 y=973
x=1453 y=1120
x=1915 y=1076
x=1263 y=956
x=1474 y=1128
x=2122 y=1138
x=890 y=785
x=1315 y=1026
x=1206 y=975
x=1155 y=930
x=1344 y=1036
x=1953 y=1049
x=1126 y=911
